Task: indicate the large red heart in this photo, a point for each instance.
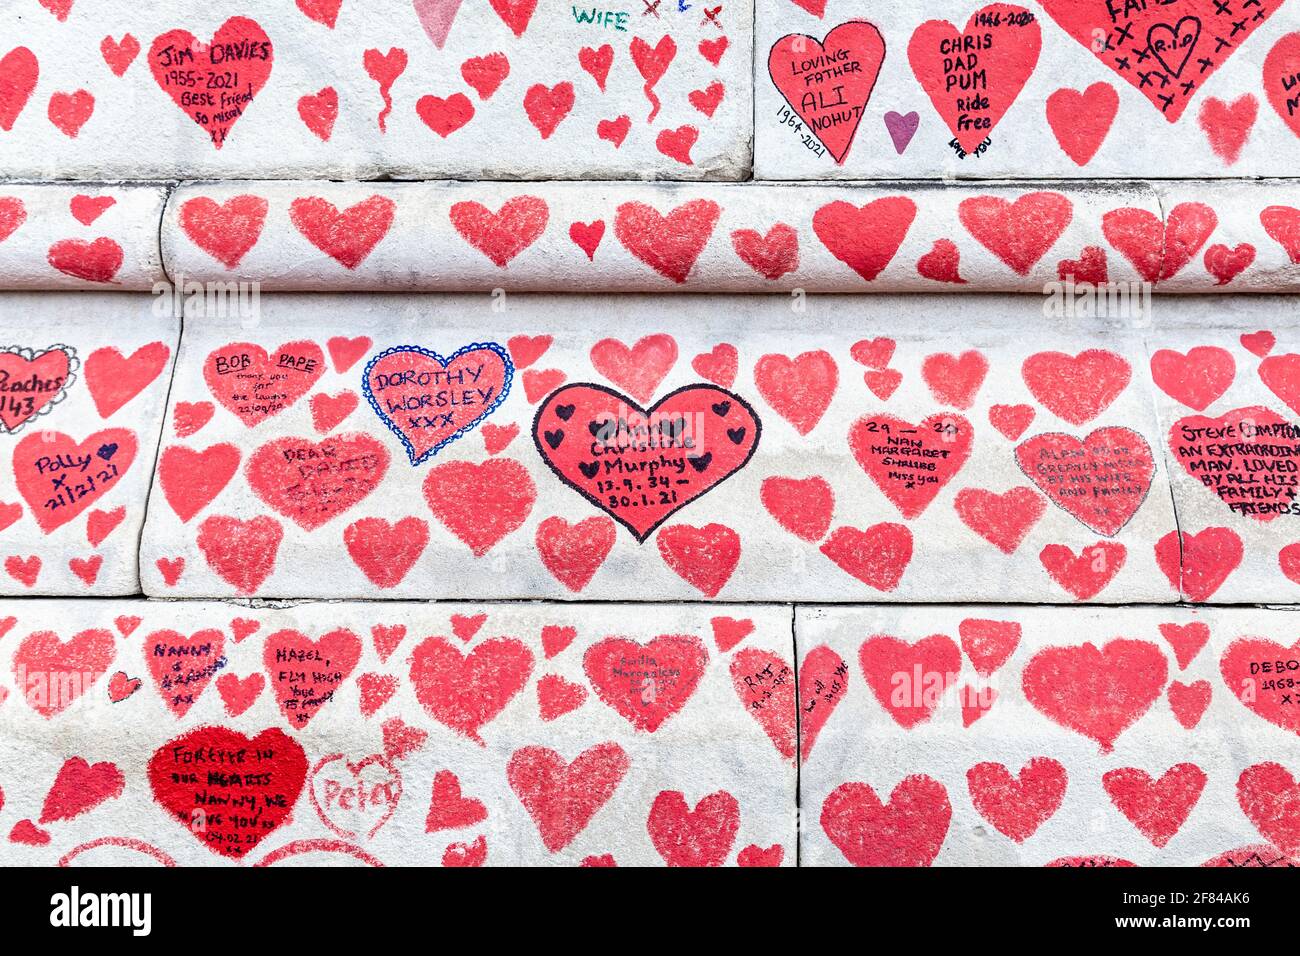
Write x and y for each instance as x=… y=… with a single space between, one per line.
x=60 y=478
x=312 y=482
x=348 y=236
x=480 y=502
x=254 y=385
x=1102 y=479
x=765 y=685
x=1097 y=693
x=18 y=72
x=973 y=76
x=226 y=231
x=1020 y=232
x=114 y=379
x=305 y=674
x=182 y=665
x=504 y=234
x=1076 y=388
x=1260 y=673
x=191 y=480
x=79 y=787
x=229 y=790
x=242 y=553
x=646 y=683
x=928 y=668
x=32 y=382
x=1018 y=805
x=213 y=83
x=355 y=798
x=668 y=244
x=910 y=463
x=1158 y=808
x=50 y=674
x=429 y=401
x=1281 y=67
x=865 y=238
x=639 y=465
x=1196 y=379
x=465 y=692
x=560 y=796
x=909 y=830
x=1270 y=796
x=829 y=84
x=799 y=389
x=1245 y=456
x=697 y=837
x=1166 y=50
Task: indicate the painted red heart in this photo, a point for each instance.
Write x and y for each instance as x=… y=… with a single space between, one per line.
x=699 y=837
x=1011 y=420
x=385 y=552
x=930 y=665
x=587 y=236
x=429 y=400
x=13 y=213
x=1018 y=805
x=480 y=503
x=238 y=694
x=121 y=687
x=18 y=73
x=318 y=111
x=1256 y=671
x=515 y=13
x=71 y=111
x=34 y=380
x=226 y=231
x=1082 y=120
x=1225 y=263
x=587 y=435
x=556 y=638
x=955 y=379
x=707 y=99
x=883 y=382
x=468 y=691
x=115 y=379
x=1270 y=797
x=1085 y=574
x=272 y=769
x=1099 y=693
x=1186 y=640
x=79 y=787
x=730 y=631
x=772 y=255
x=346 y=352
x=677 y=143
x=909 y=830
x=719 y=366
x=95 y=261
x=823 y=682
x=563 y=796
x=504 y=234
x=1180 y=49
x=87 y=209
x=213 y=83
x=253 y=384
x=573 y=553
x=242 y=553
x=557 y=696
x=1227 y=126
x=1021 y=232
x=877 y=556
x=347 y=237
x=1262 y=342
x=1160 y=250
x=1188 y=701
x=1198 y=564
x=803 y=506
x=669 y=244
x=646 y=683
x=980 y=64
x=1281 y=67
x=328 y=411
x=1157 y=807
x=704 y=557
x=799 y=389
x=59 y=477
x=1197 y=379
x=909 y=463
x=1102 y=479
x=1004 y=519
x=597 y=62
x=1090 y=268
x=312 y=482
x=547 y=106
x=614 y=131
x=51 y=674
x=638 y=370
x=865 y=238
x=942 y=263
x=1243 y=457
x=191 y=480
x=1281 y=373
x=765 y=685
x=182 y=666
x=988 y=643
x=448 y=809
x=1076 y=388
x=828 y=83
x=305 y=674
x=119 y=55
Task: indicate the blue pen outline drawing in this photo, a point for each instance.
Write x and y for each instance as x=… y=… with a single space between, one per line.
x=506 y=382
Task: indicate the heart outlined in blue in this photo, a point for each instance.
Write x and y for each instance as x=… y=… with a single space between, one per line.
x=507 y=379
